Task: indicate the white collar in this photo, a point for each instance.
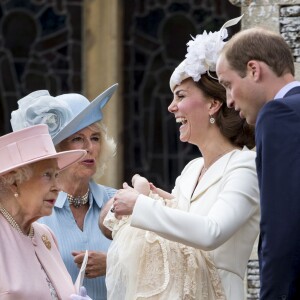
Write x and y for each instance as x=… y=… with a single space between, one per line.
x=282 y=92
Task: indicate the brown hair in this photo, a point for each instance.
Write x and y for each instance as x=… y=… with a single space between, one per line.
x=262 y=45
x=228 y=120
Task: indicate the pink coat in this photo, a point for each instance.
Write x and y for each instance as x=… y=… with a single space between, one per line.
x=21 y=257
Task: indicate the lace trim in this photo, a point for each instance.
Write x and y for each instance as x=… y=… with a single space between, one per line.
x=161 y=269
x=146 y=279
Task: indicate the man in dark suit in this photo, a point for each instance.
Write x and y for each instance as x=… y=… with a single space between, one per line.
x=257 y=69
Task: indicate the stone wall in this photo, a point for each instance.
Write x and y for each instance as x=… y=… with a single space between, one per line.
x=280 y=16
x=252 y=284
x=289 y=18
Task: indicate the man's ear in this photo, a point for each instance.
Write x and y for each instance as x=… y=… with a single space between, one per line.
x=254 y=69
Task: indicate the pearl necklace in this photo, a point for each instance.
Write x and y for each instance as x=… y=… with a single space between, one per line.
x=14 y=224
x=78 y=201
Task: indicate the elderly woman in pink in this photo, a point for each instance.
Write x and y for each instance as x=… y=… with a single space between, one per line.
x=31 y=266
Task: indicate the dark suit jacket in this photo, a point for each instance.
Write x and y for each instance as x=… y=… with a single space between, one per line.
x=278 y=168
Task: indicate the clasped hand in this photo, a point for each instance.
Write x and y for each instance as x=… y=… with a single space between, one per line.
x=96 y=264
x=124 y=200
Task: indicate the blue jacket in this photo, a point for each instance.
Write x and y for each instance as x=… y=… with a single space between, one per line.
x=278 y=169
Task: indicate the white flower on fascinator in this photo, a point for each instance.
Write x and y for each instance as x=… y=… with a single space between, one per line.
x=202 y=54
x=41 y=108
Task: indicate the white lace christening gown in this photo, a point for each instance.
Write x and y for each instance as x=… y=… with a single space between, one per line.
x=143 y=265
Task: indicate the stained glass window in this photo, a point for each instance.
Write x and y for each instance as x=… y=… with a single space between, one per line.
x=40 y=48
x=155 y=37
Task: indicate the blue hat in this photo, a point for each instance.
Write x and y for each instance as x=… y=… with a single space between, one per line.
x=65 y=114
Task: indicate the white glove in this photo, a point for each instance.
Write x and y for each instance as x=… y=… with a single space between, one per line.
x=82 y=295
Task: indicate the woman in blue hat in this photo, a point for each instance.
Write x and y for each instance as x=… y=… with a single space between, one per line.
x=75 y=123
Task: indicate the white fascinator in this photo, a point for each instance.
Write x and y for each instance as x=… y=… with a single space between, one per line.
x=202 y=53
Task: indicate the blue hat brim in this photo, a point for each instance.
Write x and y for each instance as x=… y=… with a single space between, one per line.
x=89 y=115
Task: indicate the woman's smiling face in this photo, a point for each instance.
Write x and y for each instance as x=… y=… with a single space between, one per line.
x=191 y=108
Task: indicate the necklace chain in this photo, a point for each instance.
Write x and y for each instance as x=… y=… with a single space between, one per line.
x=78 y=201
x=204 y=169
x=14 y=224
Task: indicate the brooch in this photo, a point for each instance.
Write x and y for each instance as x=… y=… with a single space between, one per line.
x=46 y=241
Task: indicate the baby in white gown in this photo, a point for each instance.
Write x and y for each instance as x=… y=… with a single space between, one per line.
x=143 y=265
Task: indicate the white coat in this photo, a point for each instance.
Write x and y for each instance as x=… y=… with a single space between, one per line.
x=221 y=215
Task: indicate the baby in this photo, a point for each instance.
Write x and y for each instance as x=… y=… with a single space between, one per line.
x=143 y=186
x=107 y=218
x=142 y=265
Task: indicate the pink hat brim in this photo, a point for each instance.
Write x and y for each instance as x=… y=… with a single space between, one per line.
x=64 y=160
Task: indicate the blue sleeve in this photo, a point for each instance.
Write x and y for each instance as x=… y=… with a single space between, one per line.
x=278 y=167
x=110 y=192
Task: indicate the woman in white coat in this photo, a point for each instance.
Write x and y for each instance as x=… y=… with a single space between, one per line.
x=217 y=212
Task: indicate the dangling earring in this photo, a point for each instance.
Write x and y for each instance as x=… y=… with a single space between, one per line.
x=16 y=195
x=212 y=120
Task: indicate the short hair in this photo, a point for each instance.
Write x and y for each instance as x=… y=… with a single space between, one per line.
x=18 y=175
x=232 y=127
x=262 y=45
x=107 y=148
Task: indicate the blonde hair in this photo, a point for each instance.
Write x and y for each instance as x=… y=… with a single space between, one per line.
x=107 y=148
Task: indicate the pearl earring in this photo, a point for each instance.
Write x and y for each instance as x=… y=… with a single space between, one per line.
x=16 y=195
x=212 y=120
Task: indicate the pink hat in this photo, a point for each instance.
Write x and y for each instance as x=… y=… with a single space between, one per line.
x=30 y=145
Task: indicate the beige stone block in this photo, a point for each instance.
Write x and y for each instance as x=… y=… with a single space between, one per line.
x=266 y=16
x=297 y=71
x=102 y=68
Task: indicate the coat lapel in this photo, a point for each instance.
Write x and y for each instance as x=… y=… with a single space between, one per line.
x=187 y=183
x=48 y=255
x=211 y=176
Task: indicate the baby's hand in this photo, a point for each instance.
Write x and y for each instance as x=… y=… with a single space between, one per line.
x=141 y=184
x=160 y=192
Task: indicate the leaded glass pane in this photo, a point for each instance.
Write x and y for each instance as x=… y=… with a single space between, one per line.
x=155 y=37
x=40 y=48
